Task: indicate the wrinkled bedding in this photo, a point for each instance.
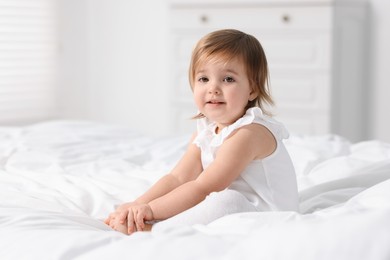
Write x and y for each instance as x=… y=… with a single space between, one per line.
x=60 y=179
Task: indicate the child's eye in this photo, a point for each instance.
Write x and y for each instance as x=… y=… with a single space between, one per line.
x=228 y=79
x=203 y=79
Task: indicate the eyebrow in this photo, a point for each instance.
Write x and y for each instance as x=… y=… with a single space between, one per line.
x=232 y=71
x=224 y=70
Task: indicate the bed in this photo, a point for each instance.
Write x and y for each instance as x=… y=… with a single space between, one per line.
x=60 y=179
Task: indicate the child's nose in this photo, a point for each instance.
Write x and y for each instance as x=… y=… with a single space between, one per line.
x=214 y=89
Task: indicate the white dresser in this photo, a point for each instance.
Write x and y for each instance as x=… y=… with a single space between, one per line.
x=316 y=52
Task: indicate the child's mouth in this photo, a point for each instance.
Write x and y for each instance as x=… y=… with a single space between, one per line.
x=213 y=102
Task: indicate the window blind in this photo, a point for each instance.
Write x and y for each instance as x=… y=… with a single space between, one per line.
x=28 y=60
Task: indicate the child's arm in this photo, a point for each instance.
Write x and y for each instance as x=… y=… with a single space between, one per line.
x=187 y=169
x=246 y=144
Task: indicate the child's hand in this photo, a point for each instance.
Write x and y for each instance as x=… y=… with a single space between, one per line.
x=130 y=215
x=120 y=214
x=136 y=217
x=116 y=225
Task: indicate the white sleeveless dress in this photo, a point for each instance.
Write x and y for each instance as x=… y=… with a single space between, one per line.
x=266 y=184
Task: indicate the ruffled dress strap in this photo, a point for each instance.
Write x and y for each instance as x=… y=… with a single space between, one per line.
x=206 y=129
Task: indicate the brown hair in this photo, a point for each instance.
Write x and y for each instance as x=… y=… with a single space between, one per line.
x=228 y=44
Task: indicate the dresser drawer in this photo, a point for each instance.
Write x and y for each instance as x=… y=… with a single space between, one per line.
x=307 y=91
x=251 y=17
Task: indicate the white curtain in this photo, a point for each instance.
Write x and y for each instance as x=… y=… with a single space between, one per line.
x=29 y=51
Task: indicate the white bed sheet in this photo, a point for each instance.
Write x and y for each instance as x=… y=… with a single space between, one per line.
x=59 y=179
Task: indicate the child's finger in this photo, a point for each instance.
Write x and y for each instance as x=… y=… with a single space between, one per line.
x=139 y=220
x=122 y=216
x=131 y=228
x=108 y=219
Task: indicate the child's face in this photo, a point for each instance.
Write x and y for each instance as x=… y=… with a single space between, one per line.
x=222 y=91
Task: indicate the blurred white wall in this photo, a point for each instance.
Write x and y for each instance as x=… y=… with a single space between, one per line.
x=115 y=62
x=116 y=53
x=74 y=47
x=379 y=70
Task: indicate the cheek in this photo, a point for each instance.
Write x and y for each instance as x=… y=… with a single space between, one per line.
x=239 y=99
x=237 y=95
x=198 y=97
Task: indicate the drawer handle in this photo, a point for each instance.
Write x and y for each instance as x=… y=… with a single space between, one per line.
x=286 y=18
x=204 y=18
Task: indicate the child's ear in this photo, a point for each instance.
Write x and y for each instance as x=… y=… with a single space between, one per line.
x=253 y=95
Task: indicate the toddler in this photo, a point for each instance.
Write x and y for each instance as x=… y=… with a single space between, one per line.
x=236 y=160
